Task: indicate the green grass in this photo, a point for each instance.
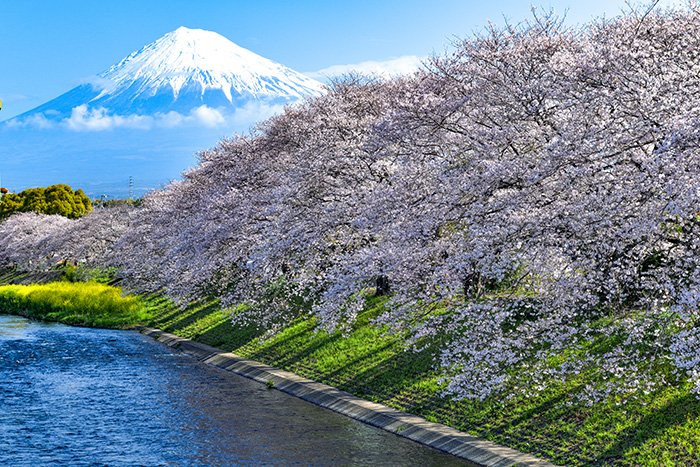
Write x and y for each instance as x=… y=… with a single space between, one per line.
x=662 y=428
x=80 y=303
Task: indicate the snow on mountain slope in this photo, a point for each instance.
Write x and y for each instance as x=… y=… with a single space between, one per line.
x=181 y=71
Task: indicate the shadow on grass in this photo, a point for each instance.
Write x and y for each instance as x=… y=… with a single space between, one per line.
x=652 y=426
x=282 y=352
x=389 y=379
x=7 y=276
x=377 y=368
x=225 y=336
x=179 y=319
x=160 y=308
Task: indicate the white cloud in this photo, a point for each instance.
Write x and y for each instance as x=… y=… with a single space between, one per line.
x=36 y=121
x=15 y=97
x=254 y=112
x=207 y=116
x=84 y=118
x=171 y=119
x=385 y=69
x=98 y=83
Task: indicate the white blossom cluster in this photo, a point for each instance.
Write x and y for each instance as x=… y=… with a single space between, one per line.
x=534 y=195
x=31 y=241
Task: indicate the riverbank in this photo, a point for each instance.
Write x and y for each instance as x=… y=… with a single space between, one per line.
x=93 y=304
x=78 y=396
x=662 y=427
x=87 y=304
x=440 y=437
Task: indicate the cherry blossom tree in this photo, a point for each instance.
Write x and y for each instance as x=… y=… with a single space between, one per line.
x=531 y=197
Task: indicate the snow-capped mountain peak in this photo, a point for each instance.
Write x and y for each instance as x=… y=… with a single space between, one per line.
x=182 y=70
x=210 y=61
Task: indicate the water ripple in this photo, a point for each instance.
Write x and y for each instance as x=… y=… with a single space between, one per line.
x=86 y=397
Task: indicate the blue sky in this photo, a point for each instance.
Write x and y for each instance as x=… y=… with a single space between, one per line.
x=48 y=46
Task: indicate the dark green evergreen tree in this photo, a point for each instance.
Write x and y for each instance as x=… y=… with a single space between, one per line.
x=55 y=199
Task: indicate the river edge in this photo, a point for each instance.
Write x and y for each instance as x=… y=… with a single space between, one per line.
x=441 y=437
x=434 y=435
x=438 y=436
x=148 y=404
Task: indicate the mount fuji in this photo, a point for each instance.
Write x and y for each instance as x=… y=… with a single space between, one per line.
x=140 y=123
x=180 y=72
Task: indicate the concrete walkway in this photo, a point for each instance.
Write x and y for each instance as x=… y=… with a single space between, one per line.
x=418 y=429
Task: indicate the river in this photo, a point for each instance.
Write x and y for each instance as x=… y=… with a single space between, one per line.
x=77 y=396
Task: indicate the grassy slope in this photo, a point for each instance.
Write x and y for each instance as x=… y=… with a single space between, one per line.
x=663 y=428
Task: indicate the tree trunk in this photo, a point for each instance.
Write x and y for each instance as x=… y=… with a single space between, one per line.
x=382 y=283
x=472 y=285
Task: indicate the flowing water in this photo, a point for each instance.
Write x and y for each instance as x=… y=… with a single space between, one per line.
x=77 y=396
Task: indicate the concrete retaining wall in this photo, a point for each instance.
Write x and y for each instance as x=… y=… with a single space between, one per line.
x=435 y=435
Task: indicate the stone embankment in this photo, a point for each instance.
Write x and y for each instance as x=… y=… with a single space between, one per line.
x=441 y=437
